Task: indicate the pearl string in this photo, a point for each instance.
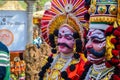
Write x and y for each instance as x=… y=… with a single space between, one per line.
x=99 y=67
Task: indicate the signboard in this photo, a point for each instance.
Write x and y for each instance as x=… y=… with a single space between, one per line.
x=13 y=29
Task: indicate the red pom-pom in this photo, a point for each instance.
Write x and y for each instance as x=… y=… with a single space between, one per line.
x=116 y=33
x=118 y=47
x=87 y=3
x=118 y=28
x=108 y=65
x=118 y=65
x=113 y=40
x=115 y=61
x=115 y=52
x=87 y=7
x=116 y=77
x=109 y=29
x=51 y=55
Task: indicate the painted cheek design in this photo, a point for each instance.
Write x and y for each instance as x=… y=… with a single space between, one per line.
x=101 y=44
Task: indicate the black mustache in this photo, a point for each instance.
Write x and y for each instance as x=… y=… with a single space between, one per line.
x=63 y=44
x=97 y=54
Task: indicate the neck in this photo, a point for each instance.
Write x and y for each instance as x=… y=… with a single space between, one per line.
x=99 y=67
x=66 y=56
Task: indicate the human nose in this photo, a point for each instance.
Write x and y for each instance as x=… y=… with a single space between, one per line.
x=62 y=39
x=89 y=44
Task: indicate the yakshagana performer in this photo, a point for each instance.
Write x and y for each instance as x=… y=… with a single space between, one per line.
x=63 y=24
x=103 y=45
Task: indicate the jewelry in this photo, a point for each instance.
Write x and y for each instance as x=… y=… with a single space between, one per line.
x=98 y=75
x=56 y=72
x=70 y=60
x=99 y=67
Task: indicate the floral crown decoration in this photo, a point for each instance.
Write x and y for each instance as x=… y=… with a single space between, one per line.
x=104 y=12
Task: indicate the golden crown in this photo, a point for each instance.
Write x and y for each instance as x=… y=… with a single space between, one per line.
x=104 y=11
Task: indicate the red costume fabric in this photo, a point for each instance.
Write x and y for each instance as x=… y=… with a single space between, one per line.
x=74 y=75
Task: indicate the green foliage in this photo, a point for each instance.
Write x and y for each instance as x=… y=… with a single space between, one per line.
x=39 y=4
x=2 y=2
x=23 y=4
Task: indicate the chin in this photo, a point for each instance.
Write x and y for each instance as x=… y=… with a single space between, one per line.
x=65 y=51
x=94 y=59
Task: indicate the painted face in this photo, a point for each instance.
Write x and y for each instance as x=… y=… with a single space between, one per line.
x=95 y=46
x=65 y=40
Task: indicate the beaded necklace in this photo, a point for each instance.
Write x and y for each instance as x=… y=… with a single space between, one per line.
x=64 y=67
x=98 y=73
x=51 y=62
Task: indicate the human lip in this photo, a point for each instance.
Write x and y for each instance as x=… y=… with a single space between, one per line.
x=92 y=58
x=61 y=46
x=91 y=55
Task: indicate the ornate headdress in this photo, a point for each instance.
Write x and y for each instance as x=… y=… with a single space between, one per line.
x=105 y=15
x=69 y=12
x=104 y=12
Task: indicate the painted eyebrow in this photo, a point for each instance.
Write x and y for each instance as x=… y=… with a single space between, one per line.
x=69 y=34
x=96 y=37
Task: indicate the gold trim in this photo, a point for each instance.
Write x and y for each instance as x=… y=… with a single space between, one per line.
x=69 y=19
x=59 y=20
x=103 y=19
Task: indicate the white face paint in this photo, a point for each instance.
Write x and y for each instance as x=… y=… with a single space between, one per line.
x=65 y=30
x=102 y=44
x=96 y=42
x=65 y=35
x=94 y=59
x=97 y=33
x=96 y=36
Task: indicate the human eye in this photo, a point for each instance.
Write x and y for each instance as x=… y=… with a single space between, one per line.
x=87 y=39
x=68 y=36
x=96 y=41
x=59 y=36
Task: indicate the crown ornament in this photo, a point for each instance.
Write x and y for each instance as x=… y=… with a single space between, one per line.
x=104 y=11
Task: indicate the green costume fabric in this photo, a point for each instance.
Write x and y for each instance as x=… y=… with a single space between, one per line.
x=4 y=62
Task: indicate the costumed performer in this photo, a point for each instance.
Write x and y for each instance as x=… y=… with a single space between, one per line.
x=62 y=27
x=103 y=45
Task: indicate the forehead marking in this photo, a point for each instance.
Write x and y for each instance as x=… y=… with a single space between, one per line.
x=63 y=31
